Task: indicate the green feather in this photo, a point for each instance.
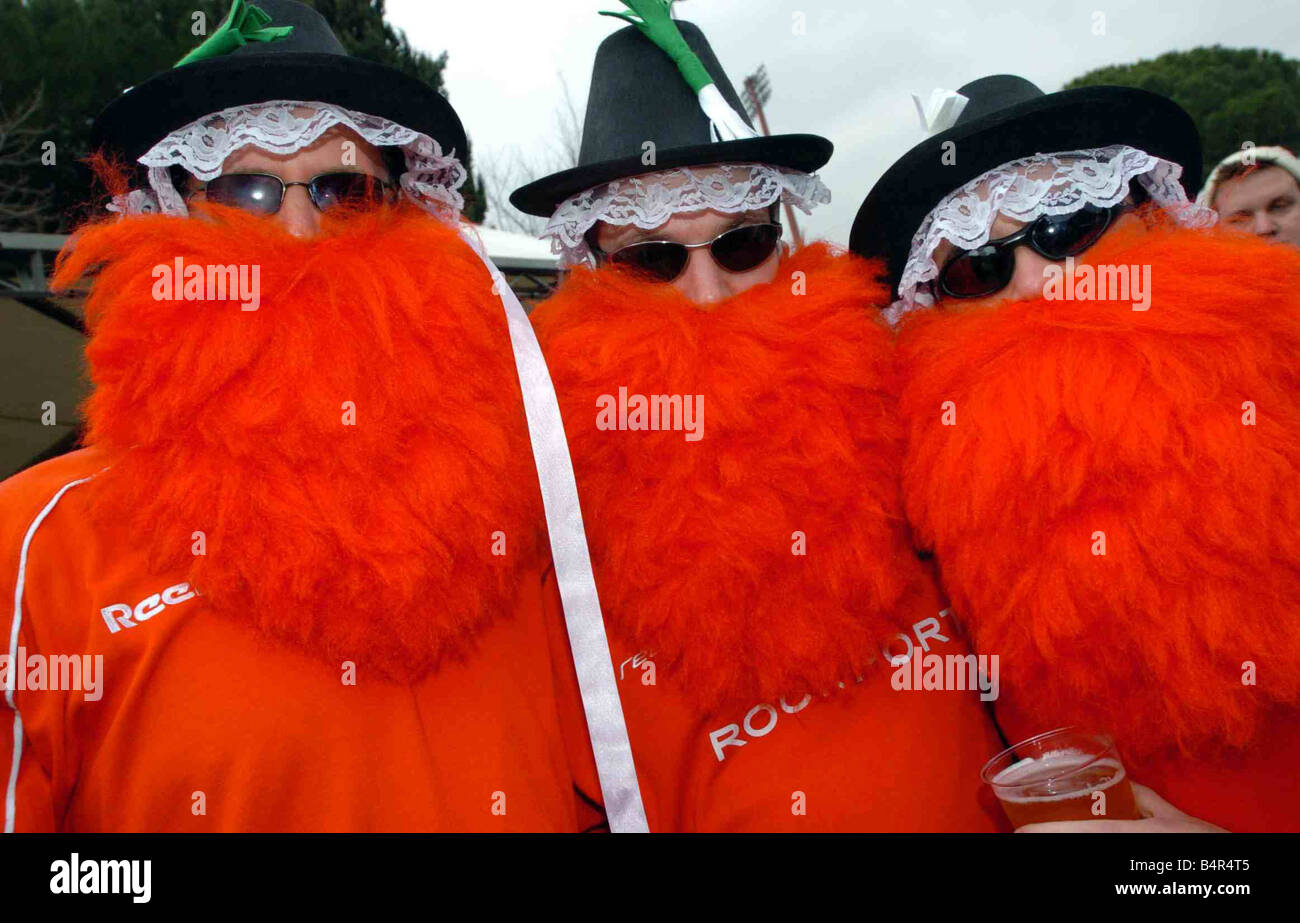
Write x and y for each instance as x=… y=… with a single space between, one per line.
x=654 y=19
x=246 y=23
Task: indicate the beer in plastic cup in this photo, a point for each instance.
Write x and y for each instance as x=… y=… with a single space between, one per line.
x=1066 y=774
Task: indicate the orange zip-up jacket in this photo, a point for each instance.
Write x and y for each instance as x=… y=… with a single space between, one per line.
x=866 y=758
x=1116 y=511
x=307 y=548
x=751 y=559
x=199 y=723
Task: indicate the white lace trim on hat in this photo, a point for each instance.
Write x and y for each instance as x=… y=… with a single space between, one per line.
x=1025 y=189
x=432 y=178
x=651 y=199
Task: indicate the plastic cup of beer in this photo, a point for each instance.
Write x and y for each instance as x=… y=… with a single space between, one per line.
x=1066 y=774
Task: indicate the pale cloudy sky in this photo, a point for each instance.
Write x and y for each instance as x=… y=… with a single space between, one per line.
x=849 y=76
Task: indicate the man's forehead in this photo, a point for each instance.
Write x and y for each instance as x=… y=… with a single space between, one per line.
x=1267 y=181
x=330 y=140
x=1037 y=170
x=685 y=225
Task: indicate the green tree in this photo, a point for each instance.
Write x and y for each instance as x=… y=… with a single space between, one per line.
x=1233 y=94
x=76 y=55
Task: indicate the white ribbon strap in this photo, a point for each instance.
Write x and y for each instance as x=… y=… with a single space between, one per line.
x=591 y=657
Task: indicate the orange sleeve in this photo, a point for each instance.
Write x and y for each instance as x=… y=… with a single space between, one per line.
x=29 y=803
x=573 y=720
x=29 y=722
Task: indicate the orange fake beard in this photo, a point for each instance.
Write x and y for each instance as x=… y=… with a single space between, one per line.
x=351 y=457
x=1113 y=496
x=763 y=553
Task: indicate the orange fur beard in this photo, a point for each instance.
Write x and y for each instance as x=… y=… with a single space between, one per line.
x=693 y=541
x=369 y=542
x=1081 y=417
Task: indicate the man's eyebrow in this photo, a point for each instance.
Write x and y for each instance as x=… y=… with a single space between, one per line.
x=631 y=234
x=636 y=234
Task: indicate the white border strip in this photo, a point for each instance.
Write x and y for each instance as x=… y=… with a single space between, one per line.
x=11 y=793
x=582 y=616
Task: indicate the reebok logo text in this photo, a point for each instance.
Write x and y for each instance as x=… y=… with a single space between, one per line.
x=120 y=615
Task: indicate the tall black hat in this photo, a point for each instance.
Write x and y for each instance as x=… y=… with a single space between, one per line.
x=1008 y=118
x=638 y=95
x=278 y=49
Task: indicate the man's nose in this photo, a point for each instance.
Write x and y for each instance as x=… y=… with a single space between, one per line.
x=297 y=214
x=702 y=280
x=1263 y=225
x=1028 y=280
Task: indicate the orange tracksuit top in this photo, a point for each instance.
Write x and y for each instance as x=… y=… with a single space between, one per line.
x=201 y=724
x=868 y=758
x=690 y=544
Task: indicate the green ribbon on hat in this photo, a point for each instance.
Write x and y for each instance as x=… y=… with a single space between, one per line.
x=654 y=19
x=246 y=23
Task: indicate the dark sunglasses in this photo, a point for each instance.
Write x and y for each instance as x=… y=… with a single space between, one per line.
x=988 y=269
x=263 y=193
x=737 y=250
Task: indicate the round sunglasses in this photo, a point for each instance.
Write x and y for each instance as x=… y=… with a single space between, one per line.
x=988 y=269
x=739 y=249
x=263 y=193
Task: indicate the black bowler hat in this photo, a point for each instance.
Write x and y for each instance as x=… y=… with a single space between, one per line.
x=638 y=95
x=307 y=64
x=1008 y=118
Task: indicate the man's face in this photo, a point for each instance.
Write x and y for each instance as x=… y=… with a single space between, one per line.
x=1265 y=202
x=1030 y=272
x=703 y=280
x=338 y=150
x=1028 y=279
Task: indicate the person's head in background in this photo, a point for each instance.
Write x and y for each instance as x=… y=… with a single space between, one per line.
x=1258 y=191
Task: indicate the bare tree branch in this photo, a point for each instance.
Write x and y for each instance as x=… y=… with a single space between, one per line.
x=21 y=205
x=511 y=168
x=569 y=126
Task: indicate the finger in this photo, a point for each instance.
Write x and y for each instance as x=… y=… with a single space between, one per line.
x=1149 y=804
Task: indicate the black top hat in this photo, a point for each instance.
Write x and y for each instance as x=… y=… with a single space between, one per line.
x=1008 y=118
x=637 y=95
x=308 y=64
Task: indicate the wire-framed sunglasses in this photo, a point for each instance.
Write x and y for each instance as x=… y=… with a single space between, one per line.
x=738 y=249
x=263 y=193
x=988 y=269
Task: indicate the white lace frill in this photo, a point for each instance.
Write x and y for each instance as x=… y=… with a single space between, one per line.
x=432 y=178
x=1023 y=190
x=651 y=199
